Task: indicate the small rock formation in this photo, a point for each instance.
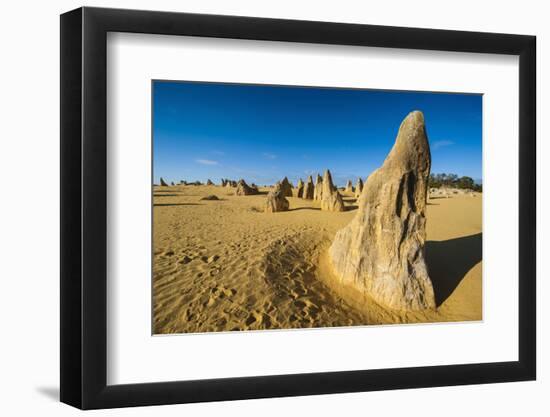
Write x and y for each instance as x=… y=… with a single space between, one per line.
x=318 y=192
x=244 y=189
x=209 y=182
x=300 y=189
x=163 y=183
x=358 y=188
x=172 y=183
x=234 y=183
x=276 y=200
x=286 y=187
x=381 y=251
x=210 y=197
x=223 y=182
x=331 y=200
x=309 y=189
x=183 y=182
x=349 y=187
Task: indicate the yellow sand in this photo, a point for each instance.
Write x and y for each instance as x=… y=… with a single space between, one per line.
x=226 y=265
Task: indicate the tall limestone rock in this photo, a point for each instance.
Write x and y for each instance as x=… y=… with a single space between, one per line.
x=276 y=200
x=381 y=251
x=163 y=183
x=358 y=188
x=318 y=188
x=286 y=187
x=300 y=189
x=331 y=199
x=349 y=187
x=309 y=189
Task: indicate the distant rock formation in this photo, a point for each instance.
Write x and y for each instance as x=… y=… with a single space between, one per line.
x=209 y=182
x=318 y=192
x=244 y=189
x=286 y=187
x=349 y=187
x=358 y=188
x=300 y=189
x=163 y=183
x=331 y=200
x=183 y=182
x=381 y=251
x=210 y=197
x=172 y=183
x=276 y=200
x=223 y=182
x=309 y=189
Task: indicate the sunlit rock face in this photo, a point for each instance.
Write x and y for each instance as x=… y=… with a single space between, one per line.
x=331 y=200
x=381 y=251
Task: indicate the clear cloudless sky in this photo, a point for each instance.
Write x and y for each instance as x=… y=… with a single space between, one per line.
x=262 y=133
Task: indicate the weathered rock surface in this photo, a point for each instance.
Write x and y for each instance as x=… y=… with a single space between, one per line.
x=331 y=200
x=309 y=189
x=381 y=251
x=318 y=192
x=358 y=188
x=300 y=189
x=163 y=183
x=244 y=189
x=286 y=187
x=349 y=187
x=276 y=200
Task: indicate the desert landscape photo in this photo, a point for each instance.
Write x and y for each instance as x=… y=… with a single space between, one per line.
x=281 y=207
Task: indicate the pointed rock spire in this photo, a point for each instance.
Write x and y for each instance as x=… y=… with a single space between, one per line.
x=286 y=187
x=163 y=183
x=309 y=189
x=300 y=189
x=358 y=187
x=349 y=187
x=331 y=199
x=381 y=251
x=318 y=188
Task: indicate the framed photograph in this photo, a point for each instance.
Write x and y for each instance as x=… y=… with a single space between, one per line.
x=257 y=208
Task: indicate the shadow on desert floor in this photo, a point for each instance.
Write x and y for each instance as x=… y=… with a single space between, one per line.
x=449 y=261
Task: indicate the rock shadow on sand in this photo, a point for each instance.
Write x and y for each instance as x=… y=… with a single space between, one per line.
x=449 y=261
x=304 y=208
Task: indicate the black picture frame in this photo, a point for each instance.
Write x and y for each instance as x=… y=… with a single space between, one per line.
x=84 y=207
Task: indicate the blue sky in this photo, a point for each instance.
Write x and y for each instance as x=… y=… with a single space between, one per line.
x=262 y=133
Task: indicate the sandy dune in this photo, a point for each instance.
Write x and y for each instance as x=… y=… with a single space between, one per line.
x=226 y=265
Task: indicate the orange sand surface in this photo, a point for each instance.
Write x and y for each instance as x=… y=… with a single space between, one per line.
x=226 y=265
